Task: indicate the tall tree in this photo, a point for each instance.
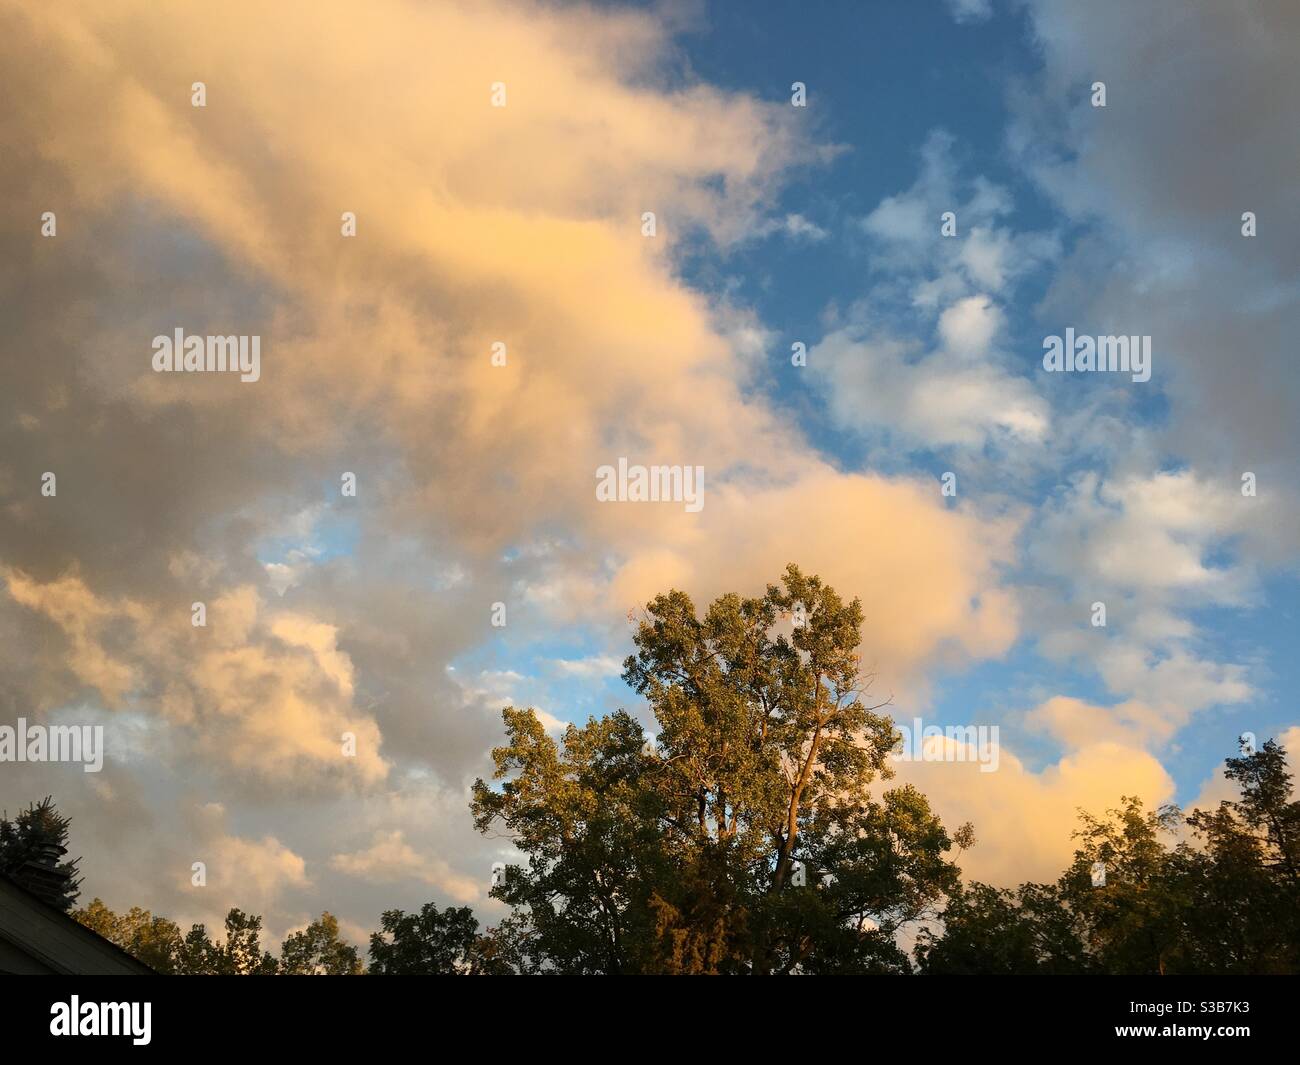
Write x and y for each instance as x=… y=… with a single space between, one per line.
x=1244 y=910
x=746 y=838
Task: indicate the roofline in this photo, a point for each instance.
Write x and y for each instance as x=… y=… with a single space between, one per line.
x=10 y=881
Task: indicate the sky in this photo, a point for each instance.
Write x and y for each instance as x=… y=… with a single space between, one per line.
x=499 y=160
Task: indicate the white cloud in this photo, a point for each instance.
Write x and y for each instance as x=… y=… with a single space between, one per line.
x=594 y=666
x=970 y=10
x=1153 y=533
x=799 y=227
x=970 y=325
x=875 y=384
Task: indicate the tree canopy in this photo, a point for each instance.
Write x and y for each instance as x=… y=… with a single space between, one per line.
x=745 y=836
x=1215 y=892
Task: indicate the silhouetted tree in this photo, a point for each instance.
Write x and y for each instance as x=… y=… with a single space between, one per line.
x=440 y=942
x=1225 y=900
x=31 y=848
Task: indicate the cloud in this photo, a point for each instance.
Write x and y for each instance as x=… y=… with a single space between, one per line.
x=261 y=867
x=942 y=261
x=1151 y=533
x=875 y=384
x=929 y=577
x=800 y=227
x=1023 y=819
x=594 y=666
x=1077 y=724
x=1196 y=129
x=269 y=697
x=87 y=623
x=912 y=246
x=329 y=614
x=391 y=858
x=969 y=326
x=1150 y=548
x=970 y=10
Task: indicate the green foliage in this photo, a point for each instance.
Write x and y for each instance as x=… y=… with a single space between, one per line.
x=156 y=941
x=683 y=860
x=1130 y=924
x=998 y=932
x=1215 y=892
x=241 y=954
x=1243 y=884
x=619 y=881
x=437 y=942
x=318 y=951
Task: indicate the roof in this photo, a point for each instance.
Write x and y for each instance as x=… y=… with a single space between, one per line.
x=36 y=937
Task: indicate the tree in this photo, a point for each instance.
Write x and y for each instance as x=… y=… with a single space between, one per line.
x=1244 y=909
x=241 y=953
x=436 y=942
x=30 y=848
x=1001 y=932
x=1224 y=901
x=1131 y=922
x=1264 y=814
x=156 y=941
x=748 y=839
x=318 y=951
